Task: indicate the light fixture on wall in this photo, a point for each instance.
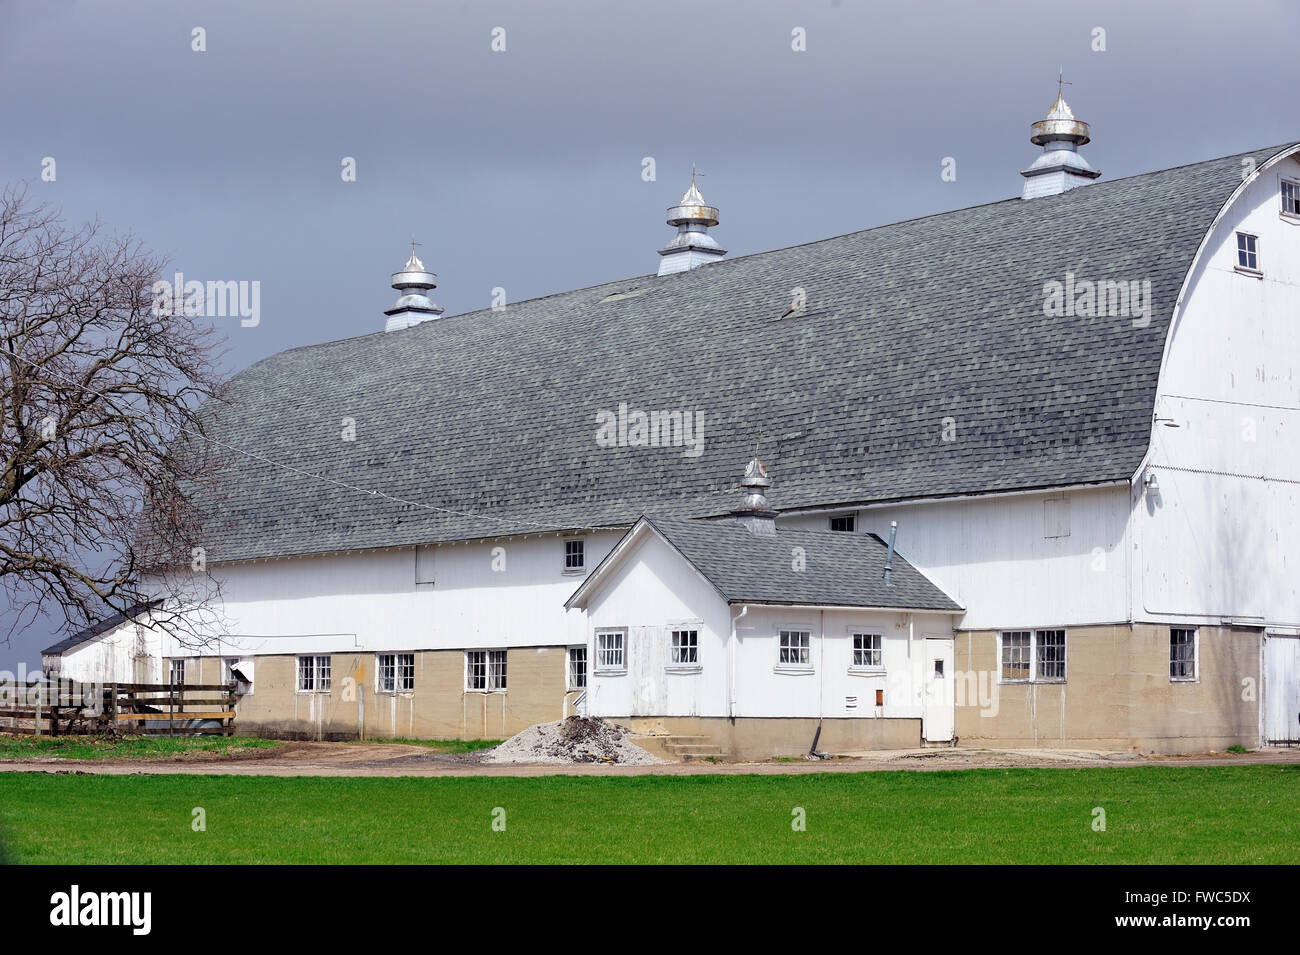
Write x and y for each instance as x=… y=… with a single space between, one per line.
x=1151 y=482
x=1167 y=422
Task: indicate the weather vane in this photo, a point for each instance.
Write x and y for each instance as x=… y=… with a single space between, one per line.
x=1061 y=81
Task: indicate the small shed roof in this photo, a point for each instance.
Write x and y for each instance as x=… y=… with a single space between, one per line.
x=790 y=567
x=98 y=629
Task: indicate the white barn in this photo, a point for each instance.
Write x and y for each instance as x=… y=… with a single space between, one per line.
x=1076 y=407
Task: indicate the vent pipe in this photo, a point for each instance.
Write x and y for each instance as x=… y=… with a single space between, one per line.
x=889 y=557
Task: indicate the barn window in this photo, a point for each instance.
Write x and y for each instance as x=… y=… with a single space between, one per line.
x=575 y=556
x=1049 y=654
x=314 y=674
x=178 y=671
x=577 y=671
x=867 y=650
x=496 y=669
x=685 y=648
x=485 y=670
x=1032 y=656
x=1290 y=197
x=844 y=522
x=395 y=672
x=794 y=648
x=476 y=669
x=1182 y=654
x=1056 y=516
x=1247 y=251
x=1016 y=655
x=609 y=650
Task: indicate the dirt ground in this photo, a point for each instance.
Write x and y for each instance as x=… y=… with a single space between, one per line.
x=400 y=759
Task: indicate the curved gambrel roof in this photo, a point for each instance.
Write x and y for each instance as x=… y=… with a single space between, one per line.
x=489 y=419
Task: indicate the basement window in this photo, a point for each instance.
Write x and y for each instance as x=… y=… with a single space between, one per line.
x=485 y=670
x=577 y=668
x=1182 y=654
x=575 y=556
x=1049 y=655
x=685 y=650
x=1290 y=198
x=609 y=650
x=314 y=674
x=867 y=651
x=1015 y=656
x=1032 y=656
x=395 y=672
x=1248 y=253
x=844 y=522
x=177 y=672
x=795 y=649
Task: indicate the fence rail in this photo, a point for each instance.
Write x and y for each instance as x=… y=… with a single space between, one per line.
x=62 y=707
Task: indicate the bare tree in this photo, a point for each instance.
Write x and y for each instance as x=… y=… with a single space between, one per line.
x=101 y=457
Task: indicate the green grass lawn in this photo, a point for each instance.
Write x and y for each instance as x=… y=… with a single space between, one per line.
x=1232 y=814
x=126 y=747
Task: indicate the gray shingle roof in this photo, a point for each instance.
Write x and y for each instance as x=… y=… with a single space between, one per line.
x=840 y=569
x=103 y=626
x=494 y=413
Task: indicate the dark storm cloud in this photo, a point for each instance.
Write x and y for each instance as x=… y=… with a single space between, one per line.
x=522 y=169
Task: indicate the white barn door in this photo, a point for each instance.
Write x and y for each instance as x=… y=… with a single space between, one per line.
x=1281 y=689
x=939 y=704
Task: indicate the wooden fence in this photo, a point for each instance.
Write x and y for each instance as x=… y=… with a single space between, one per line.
x=62 y=707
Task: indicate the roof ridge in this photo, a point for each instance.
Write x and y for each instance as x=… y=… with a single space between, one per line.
x=1271 y=150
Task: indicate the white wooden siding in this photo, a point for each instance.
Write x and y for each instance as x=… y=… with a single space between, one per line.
x=1222 y=538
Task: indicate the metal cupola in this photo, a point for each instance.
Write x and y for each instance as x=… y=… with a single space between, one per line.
x=692 y=246
x=1060 y=167
x=413 y=305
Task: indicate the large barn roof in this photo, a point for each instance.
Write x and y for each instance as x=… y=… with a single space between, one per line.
x=488 y=420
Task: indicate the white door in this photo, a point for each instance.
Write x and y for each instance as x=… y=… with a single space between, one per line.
x=939 y=708
x=1281 y=689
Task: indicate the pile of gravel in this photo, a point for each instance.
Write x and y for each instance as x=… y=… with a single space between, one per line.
x=579 y=739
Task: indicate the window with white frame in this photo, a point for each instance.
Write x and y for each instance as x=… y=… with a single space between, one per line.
x=844 y=522
x=575 y=555
x=577 y=668
x=609 y=650
x=1036 y=656
x=795 y=648
x=685 y=649
x=1248 y=251
x=395 y=672
x=485 y=670
x=1049 y=655
x=867 y=650
x=178 y=671
x=1182 y=654
x=1015 y=655
x=314 y=674
x=1290 y=197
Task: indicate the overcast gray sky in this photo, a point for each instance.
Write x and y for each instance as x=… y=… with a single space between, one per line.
x=523 y=169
